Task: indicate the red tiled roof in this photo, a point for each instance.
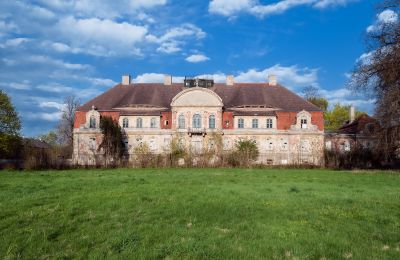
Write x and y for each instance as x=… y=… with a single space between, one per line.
x=160 y=95
x=358 y=126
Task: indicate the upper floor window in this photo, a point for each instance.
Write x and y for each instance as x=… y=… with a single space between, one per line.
x=125 y=123
x=269 y=122
x=92 y=122
x=303 y=123
x=153 y=123
x=181 y=121
x=240 y=123
x=254 y=123
x=211 y=122
x=196 y=121
x=139 y=122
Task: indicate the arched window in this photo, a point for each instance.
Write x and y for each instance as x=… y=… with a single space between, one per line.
x=240 y=123
x=92 y=122
x=153 y=123
x=254 y=123
x=125 y=123
x=211 y=122
x=196 y=121
x=139 y=123
x=181 y=122
x=269 y=122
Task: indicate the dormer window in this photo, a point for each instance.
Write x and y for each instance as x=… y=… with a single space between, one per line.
x=92 y=122
x=303 y=123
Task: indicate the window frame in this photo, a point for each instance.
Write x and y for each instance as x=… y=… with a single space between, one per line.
x=240 y=124
x=196 y=121
x=139 y=122
x=211 y=122
x=254 y=123
x=92 y=122
x=181 y=121
x=153 y=122
x=269 y=123
x=125 y=123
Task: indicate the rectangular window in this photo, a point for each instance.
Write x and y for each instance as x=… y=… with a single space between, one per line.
x=254 y=123
x=153 y=123
x=240 y=123
x=269 y=123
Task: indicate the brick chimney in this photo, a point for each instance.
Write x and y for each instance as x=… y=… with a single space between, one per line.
x=167 y=80
x=126 y=80
x=230 y=80
x=352 y=114
x=272 y=80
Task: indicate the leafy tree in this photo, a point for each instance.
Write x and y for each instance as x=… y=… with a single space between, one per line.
x=320 y=102
x=112 y=144
x=338 y=116
x=10 y=125
x=312 y=95
x=9 y=120
x=378 y=73
x=50 y=138
x=246 y=151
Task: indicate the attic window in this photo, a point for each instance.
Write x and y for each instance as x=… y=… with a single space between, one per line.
x=92 y=122
x=303 y=123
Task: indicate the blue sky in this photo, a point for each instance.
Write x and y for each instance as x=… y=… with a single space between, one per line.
x=50 y=49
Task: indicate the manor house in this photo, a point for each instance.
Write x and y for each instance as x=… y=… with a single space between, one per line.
x=199 y=114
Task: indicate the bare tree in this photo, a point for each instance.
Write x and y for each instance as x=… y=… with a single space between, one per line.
x=66 y=126
x=378 y=73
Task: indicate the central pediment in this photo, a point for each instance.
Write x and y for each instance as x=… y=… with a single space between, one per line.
x=196 y=97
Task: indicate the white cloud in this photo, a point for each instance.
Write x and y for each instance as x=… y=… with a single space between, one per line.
x=51 y=104
x=55 y=88
x=102 y=8
x=195 y=58
x=56 y=62
x=101 y=37
x=291 y=76
x=149 y=78
x=327 y=3
x=15 y=42
x=7 y=27
x=234 y=7
x=52 y=117
x=385 y=17
x=23 y=85
x=175 y=37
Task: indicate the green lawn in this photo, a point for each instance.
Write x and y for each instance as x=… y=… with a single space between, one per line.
x=200 y=213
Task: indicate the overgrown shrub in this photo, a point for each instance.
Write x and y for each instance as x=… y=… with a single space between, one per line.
x=358 y=157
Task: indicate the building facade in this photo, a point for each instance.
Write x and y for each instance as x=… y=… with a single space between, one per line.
x=199 y=117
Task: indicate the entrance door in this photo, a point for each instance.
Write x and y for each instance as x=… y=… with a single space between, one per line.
x=196 y=143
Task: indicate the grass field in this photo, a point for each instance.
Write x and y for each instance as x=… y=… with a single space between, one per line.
x=200 y=213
